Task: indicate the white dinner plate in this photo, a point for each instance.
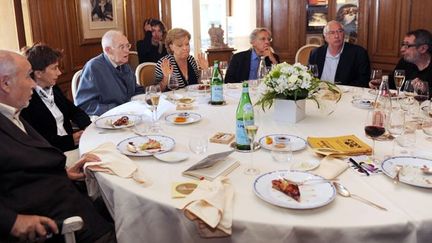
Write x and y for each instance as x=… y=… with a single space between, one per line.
x=410 y=173
x=198 y=88
x=107 y=121
x=312 y=195
x=191 y=117
x=363 y=103
x=305 y=165
x=297 y=143
x=167 y=144
x=172 y=157
x=374 y=92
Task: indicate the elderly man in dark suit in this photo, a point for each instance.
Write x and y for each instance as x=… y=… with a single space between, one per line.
x=35 y=188
x=244 y=65
x=341 y=62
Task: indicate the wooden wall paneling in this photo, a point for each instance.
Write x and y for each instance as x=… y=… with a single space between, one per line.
x=363 y=27
x=420 y=15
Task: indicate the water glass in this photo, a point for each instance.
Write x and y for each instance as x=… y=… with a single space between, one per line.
x=198 y=144
x=282 y=154
x=313 y=68
x=408 y=138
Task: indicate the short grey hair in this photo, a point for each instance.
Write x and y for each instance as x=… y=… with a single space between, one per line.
x=326 y=28
x=108 y=38
x=256 y=31
x=8 y=65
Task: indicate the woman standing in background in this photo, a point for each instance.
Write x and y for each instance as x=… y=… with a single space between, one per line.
x=152 y=47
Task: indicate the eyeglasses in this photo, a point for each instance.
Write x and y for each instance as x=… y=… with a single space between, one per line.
x=334 y=32
x=269 y=39
x=406 y=45
x=124 y=46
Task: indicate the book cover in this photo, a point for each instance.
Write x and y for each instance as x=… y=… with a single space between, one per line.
x=349 y=144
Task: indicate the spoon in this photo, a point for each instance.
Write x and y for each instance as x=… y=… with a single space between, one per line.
x=343 y=191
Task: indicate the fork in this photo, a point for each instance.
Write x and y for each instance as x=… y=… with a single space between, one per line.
x=315 y=180
x=398 y=170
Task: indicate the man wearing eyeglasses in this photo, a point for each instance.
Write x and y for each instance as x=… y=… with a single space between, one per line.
x=416 y=51
x=340 y=62
x=244 y=65
x=107 y=80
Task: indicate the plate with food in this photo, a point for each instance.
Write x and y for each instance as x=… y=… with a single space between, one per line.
x=413 y=170
x=117 y=121
x=182 y=118
x=199 y=87
x=280 y=141
x=146 y=145
x=363 y=103
x=294 y=189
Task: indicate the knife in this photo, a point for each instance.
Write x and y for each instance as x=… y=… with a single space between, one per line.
x=359 y=166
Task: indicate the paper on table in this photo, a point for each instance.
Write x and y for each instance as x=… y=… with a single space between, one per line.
x=210 y=206
x=330 y=167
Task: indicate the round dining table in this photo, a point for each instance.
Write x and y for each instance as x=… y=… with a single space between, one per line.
x=149 y=213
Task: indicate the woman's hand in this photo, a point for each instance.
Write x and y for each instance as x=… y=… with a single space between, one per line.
x=76 y=172
x=202 y=61
x=167 y=70
x=147 y=26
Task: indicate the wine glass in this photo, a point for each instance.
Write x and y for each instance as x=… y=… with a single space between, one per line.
x=205 y=78
x=251 y=129
x=375 y=126
x=396 y=124
x=173 y=84
x=421 y=93
x=313 y=68
x=399 y=78
x=427 y=122
x=223 y=66
x=153 y=93
x=376 y=77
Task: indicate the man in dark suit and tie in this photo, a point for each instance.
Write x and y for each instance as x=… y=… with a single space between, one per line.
x=35 y=187
x=244 y=65
x=341 y=62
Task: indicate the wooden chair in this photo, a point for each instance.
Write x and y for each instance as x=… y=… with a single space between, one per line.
x=133 y=60
x=75 y=82
x=302 y=55
x=145 y=74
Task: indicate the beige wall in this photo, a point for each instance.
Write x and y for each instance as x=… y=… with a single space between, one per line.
x=8 y=32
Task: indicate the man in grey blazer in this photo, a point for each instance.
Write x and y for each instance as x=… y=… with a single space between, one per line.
x=35 y=187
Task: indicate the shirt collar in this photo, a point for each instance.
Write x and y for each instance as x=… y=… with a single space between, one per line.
x=112 y=63
x=254 y=55
x=9 y=111
x=337 y=55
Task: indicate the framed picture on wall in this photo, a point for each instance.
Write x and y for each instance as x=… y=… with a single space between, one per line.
x=95 y=17
x=316 y=18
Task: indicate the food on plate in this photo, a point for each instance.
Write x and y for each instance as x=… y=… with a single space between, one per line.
x=122 y=121
x=180 y=119
x=151 y=144
x=203 y=86
x=281 y=141
x=289 y=189
x=186 y=100
x=131 y=147
x=268 y=140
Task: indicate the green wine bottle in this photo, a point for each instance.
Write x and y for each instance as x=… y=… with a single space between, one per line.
x=216 y=85
x=244 y=117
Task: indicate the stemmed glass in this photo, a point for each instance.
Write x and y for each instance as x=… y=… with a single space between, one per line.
x=427 y=123
x=223 y=66
x=205 y=78
x=173 y=84
x=375 y=126
x=399 y=78
x=314 y=69
x=407 y=101
x=251 y=131
x=421 y=91
x=153 y=93
x=376 y=77
x=396 y=124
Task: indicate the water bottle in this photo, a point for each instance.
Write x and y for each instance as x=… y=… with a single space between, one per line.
x=216 y=86
x=244 y=117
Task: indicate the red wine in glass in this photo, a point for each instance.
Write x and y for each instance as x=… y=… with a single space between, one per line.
x=421 y=98
x=374 y=131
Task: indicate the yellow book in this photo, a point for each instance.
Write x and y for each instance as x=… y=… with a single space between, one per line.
x=348 y=145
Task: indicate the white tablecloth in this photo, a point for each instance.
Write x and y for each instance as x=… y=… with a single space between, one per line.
x=149 y=214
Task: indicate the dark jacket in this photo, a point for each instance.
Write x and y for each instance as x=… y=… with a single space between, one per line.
x=353 y=67
x=147 y=52
x=239 y=66
x=40 y=117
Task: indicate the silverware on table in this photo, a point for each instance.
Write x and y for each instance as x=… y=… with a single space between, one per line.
x=398 y=170
x=343 y=191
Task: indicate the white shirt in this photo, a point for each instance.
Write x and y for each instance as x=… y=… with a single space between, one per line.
x=330 y=66
x=12 y=114
x=47 y=97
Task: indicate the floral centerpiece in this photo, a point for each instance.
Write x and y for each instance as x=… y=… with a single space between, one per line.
x=295 y=83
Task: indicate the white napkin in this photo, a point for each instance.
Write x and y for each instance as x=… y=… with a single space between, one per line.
x=330 y=167
x=210 y=206
x=112 y=162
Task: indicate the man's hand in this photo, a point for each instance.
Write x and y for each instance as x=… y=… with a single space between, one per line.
x=268 y=53
x=76 y=136
x=32 y=227
x=76 y=172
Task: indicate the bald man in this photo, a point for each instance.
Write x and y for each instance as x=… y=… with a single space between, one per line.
x=107 y=80
x=35 y=188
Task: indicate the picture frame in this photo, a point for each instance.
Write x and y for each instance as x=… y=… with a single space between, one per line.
x=95 y=17
x=316 y=18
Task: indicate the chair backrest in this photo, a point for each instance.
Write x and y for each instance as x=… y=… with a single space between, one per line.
x=145 y=74
x=133 y=60
x=302 y=55
x=69 y=226
x=75 y=82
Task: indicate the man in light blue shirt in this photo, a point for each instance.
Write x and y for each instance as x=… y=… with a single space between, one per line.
x=107 y=80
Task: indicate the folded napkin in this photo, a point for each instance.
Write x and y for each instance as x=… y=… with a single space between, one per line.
x=330 y=167
x=112 y=162
x=210 y=206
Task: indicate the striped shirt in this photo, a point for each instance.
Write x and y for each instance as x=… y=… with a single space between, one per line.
x=193 y=72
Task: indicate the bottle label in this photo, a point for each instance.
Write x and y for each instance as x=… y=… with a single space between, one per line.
x=217 y=93
x=241 y=136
